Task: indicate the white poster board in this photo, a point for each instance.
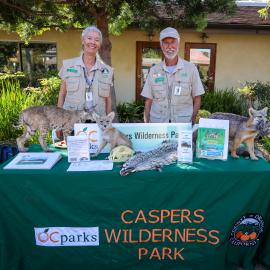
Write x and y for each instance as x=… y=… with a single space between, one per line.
x=144 y=136
x=212 y=139
x=33 y=161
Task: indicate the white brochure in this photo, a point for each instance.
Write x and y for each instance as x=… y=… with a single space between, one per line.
x=78 y=148
x=184 y=151
x=93 y=165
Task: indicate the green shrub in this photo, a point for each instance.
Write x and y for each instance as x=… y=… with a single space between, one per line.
x=202 y=114
x=266 y=143
x=257 y=94
x=13 y=100
x=16 y=95
x=130 y=112
x=50 y=90
x=14 y=77
x=35 y=77
x=227 y=100
x=27 y=79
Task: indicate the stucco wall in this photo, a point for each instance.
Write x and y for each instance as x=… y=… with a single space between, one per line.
x=241 y=56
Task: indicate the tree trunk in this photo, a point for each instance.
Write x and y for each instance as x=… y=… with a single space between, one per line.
x=106 y=47
x=105 y=51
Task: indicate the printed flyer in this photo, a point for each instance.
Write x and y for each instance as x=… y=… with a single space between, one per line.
x=210 y=143
x=213 y=139
x=184 y=151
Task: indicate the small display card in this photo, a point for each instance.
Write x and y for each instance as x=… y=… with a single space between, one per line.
x=78 y=148
x=184 y=151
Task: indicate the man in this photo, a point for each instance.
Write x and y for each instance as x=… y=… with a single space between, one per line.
x=173 y=88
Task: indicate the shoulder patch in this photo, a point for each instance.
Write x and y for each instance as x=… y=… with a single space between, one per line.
x=106 y=71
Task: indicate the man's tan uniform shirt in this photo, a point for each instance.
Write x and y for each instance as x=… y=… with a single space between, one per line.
x=172 y=93
x=73 y=74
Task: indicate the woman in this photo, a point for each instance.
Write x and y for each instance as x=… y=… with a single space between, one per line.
x=86 y=80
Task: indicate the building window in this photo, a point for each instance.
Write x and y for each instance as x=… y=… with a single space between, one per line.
x=34 y=57
x=9 y=57
x=203 y=55
x=148 y=53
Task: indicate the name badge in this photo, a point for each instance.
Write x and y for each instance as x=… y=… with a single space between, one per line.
x=72 y=70
x=89 y=96
x=177 y=90
x=183 y=74
x=159 y=79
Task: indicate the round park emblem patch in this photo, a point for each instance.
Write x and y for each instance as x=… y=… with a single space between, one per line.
x=247 y=230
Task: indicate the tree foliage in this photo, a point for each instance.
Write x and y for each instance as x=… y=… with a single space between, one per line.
x=263 y=12
x=33 y=17
x=177 y=13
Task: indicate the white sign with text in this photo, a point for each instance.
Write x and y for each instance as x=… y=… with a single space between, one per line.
x=144 y=136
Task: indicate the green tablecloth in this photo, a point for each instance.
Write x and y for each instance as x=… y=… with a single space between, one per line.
x=185 y=217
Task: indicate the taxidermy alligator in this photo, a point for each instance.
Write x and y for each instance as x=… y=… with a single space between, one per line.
x=151 y=160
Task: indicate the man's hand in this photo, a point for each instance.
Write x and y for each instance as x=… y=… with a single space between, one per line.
x=196 y=107
x=147 y=108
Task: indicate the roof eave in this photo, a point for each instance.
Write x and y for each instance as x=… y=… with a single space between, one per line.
x=238 y=26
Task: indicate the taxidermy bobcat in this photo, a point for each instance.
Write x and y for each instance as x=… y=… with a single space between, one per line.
x=44 y=118
x=245 y=129
x=110 y=135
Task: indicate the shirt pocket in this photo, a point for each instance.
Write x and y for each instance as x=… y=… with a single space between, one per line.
x=185 y=88
x=73 y=82
x=104 y=87
x=158 y=92
x=155 y=114
x=181 y=93
x=71 y=105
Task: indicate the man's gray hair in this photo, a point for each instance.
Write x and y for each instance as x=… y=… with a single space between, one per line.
x=91 y=29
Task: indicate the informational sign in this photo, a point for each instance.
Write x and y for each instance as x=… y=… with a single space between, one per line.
x=213 y=139
x=144 y=137
x=78 y=149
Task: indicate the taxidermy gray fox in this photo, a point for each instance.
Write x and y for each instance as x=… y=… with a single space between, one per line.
x=245 y=129
x=44 y=118
x=110 y=135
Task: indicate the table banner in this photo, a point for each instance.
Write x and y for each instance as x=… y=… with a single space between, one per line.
x=209 y=215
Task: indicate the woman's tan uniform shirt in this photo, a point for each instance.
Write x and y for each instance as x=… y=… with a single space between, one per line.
x=72 y=72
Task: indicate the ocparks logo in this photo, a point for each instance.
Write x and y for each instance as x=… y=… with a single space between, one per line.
x=67 y=236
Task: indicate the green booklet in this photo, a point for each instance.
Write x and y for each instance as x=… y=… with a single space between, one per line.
x=210 y=143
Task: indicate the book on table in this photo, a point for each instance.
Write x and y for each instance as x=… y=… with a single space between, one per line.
x=33 y=161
